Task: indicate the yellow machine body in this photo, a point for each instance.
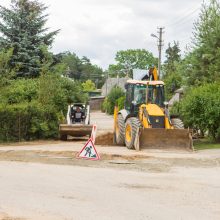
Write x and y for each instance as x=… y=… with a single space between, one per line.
x=151 y=127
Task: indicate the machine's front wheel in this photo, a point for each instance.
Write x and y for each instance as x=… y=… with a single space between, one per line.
x=120 y=131
x=177 y=123
x=131 y=128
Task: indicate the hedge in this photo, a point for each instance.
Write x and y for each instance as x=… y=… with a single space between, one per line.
x=28 y=121
x=200 y=109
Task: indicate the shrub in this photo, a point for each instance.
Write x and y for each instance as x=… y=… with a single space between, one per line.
x=33 y=108
x=28 y=121
x=112 y=99
x=121 y=102
x=88 y=86
x=19 y=91
x=173 y=81
x=200 y=109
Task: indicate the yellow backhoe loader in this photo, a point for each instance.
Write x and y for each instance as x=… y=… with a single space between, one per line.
x=145 y=121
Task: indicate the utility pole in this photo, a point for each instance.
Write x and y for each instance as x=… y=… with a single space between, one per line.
x=106 y=84
x=160 y=44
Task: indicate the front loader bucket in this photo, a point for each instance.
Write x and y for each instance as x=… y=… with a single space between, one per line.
x=164 y=139
x=75 y=130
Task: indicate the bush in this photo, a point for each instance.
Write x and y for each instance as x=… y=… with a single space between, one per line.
x=28 y=121
x=173 y=82
x=20 y=90
x=60 y=93
x=33 y=108
x=200 y=109
x=88 y=86
x=113 y=99
x=121 y=102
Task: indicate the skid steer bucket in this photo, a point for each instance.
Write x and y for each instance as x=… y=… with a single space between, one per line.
x=75 y=130
x=164 y=139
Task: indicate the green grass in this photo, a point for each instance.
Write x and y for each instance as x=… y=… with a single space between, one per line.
x=203 y=144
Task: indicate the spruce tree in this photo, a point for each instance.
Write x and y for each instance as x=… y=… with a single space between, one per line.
x=23 y=28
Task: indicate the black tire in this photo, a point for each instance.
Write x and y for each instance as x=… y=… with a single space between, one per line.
x=63 y=137
x=177 y=123
x=120 y=132
x=134 y=124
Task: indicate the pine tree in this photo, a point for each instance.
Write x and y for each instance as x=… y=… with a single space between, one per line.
x=23 y=29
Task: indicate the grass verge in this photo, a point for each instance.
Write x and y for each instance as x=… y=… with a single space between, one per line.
x=203 y=144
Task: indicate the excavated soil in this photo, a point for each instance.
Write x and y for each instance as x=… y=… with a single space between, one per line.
x=105 y=139
x=133 y=162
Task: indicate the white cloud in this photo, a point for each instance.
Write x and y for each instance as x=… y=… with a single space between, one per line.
x=99 y=28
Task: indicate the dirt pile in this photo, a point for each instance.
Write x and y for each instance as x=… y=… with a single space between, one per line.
x=104 y=139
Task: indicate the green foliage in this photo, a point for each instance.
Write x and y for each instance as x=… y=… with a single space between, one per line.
x=30 y=109
x=131 y=59
x=173 y=58
x=28 y=121
x=88 y=86
x=115 y=97
x=81 y=69
x=172 y=70
x=200 y=109
x=5 y=72
x=23 y=28
x=18 y=91
x=203 y=64
x=121 y=102
x=173 y=81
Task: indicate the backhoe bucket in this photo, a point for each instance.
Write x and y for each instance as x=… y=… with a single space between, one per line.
x=75 y=130
x=164 y=139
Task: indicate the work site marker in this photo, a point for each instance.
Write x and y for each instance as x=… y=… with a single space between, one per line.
x=93 y=133
x=88 y=152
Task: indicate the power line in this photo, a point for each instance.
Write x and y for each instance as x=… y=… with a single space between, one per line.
x=183 y=18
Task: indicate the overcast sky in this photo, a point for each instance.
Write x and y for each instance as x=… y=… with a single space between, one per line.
x=99 y=28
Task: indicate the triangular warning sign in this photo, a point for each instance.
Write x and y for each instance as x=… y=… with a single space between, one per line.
x=89 y=152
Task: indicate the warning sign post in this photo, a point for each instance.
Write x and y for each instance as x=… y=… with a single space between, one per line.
x=93 y=134
x=89 y=152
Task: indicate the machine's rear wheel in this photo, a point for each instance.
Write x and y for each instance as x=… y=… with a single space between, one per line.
x=131 y=128
x=177 y=123
x=120 y=131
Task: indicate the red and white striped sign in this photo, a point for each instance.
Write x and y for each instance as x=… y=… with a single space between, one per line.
x=93 y=134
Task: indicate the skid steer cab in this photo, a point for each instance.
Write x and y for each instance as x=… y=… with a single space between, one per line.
x=77 y=113
x=145 y=121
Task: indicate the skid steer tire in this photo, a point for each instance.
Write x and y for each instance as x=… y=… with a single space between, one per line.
x=131 y=128
x=177 y=123
x=63 y=137
x=120 y=131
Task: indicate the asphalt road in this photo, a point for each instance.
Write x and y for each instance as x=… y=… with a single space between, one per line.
x=44 y=181
x=43 y=191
